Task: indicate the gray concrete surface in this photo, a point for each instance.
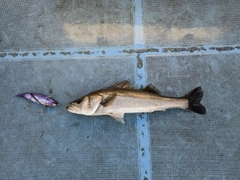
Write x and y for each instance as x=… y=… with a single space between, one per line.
x=184 y=23
x=67 y=49
x=186 y=145
x=61 y=145
x=51 y=25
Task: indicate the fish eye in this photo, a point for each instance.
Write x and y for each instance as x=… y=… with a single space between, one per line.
x=78 y=101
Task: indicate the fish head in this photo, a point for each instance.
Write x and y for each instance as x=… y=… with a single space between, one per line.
x=87 y=105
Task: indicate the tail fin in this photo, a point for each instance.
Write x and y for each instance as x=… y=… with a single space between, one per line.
x=194 y=98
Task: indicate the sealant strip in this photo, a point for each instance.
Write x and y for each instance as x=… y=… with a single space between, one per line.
x=144 y=154
x=73 y=53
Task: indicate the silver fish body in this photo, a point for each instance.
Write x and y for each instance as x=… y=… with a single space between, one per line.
x=121 y=98
x=39 y=99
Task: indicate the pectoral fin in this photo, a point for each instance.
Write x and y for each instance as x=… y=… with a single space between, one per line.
x=109 y=100
x=118 y=117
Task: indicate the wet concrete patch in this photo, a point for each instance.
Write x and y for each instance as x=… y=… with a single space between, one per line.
x=13 y=54
x=227 y=48
x=46 y=53
x=2 y=55
x=34 y=54
x=146 y=50
x=78 y=52
x=224 y=49
x=87 y=52
x=187 y=49
x=25 y=54
x=65 y=53
x=140 y=62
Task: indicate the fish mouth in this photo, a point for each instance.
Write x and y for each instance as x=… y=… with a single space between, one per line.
x=68 y=108
x=72 y=109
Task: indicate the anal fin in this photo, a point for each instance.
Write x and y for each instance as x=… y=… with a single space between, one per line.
x=119 y=117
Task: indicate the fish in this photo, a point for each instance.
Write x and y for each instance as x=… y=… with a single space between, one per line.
x=121 y=98
x=39 y=99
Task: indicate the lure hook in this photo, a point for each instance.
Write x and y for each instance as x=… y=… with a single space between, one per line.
x=26 y=105
x=42 y=111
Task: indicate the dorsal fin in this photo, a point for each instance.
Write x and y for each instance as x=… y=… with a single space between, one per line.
x=152 y=89
x=123 y=85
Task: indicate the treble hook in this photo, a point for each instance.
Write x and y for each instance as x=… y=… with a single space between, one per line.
x=26 y=105
x=41 y=112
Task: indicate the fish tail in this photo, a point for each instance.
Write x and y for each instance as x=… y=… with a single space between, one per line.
x=194 y=98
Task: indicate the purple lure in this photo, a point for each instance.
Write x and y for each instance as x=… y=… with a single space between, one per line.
x=39 y=99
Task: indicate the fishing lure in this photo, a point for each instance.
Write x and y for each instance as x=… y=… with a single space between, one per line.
x=39 y=99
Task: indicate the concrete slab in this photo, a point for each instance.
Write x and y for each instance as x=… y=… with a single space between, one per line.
x=62 y=145
x=183 y=23
x=186 y=145
x=51 y=25
x=68 y=48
